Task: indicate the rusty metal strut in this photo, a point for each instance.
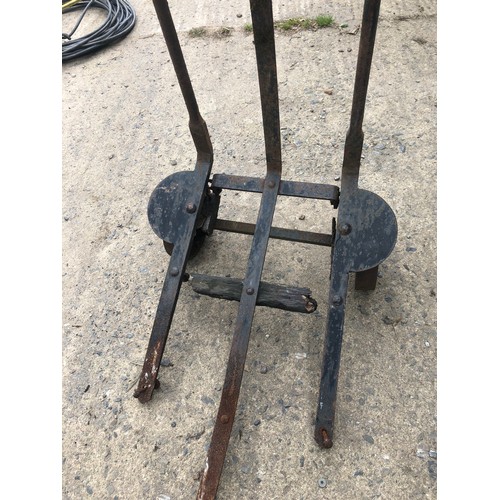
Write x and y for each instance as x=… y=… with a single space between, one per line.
x=187 y=203
x=362 y=217
x=263 y=27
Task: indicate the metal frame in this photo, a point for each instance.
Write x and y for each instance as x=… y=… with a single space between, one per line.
x=183 y=210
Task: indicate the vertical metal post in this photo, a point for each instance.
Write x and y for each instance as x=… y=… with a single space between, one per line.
x=342 y=251
x=354 y=139
x=263 y=28
x=197 y=125
x=177 y=265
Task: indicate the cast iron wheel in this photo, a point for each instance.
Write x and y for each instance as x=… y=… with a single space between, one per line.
x=199 y=239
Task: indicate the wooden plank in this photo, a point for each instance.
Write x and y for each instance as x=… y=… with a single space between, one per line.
x=294 y=299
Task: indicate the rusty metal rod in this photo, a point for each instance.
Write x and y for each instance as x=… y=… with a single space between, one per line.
x=182 y=247
x=287 y=188
x=354 y=139
x=325 y=413
x=265 y=52
x=197 y=125
x=263 y=29
x=236 y=363
x=170 y=291
x=343 y=253
x=279 y=233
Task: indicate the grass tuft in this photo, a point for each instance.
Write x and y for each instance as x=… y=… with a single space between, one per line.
x=206 y=32
x=197 y=32
x=291 y=24
x=223 y=32
x=324 y=21
x=294 y=23
x=301 y=23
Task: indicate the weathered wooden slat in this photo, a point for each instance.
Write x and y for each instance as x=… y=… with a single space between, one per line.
x=278 y=296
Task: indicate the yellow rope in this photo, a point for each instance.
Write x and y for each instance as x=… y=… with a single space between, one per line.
x=69 y=4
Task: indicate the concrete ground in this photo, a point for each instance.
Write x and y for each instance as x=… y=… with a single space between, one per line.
x=124 y=130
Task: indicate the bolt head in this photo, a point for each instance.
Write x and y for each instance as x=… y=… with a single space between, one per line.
x=345 y=229
x=336 y=300
x=191 y=208
x=174 y=271
x=250 y=290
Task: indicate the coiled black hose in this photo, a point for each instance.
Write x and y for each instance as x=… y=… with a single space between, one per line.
x=118 y=24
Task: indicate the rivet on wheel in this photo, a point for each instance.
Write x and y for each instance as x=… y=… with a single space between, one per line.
x=345 y=229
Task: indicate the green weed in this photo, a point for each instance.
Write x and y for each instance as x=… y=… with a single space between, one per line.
x=301 y=23
x=197 y=32
x=324 y=21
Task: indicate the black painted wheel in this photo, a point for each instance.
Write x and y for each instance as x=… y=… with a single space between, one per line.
x=199 y=240
x=169 y=248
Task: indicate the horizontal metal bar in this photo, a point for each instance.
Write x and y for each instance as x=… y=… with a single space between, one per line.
x=287 y=188
x=278 y=233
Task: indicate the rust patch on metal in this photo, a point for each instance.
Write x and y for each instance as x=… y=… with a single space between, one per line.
x=327 y=442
